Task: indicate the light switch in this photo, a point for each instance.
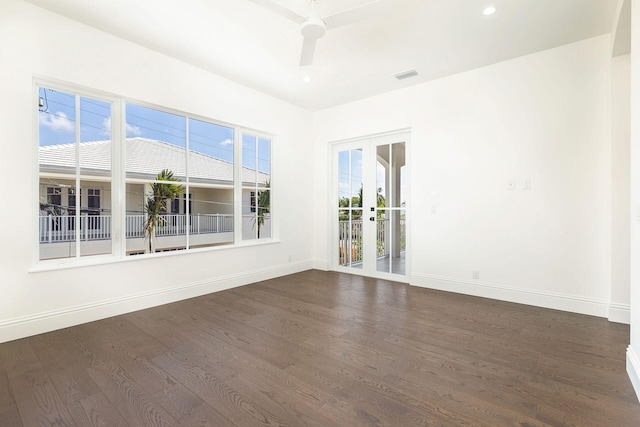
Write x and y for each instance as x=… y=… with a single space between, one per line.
x=511 y=184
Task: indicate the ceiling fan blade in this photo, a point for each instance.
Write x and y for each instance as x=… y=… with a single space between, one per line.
x=280 y=10
x=358 y=13
x=308 y=49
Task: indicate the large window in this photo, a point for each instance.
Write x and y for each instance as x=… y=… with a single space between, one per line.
x=74 y=135
x=178 y=186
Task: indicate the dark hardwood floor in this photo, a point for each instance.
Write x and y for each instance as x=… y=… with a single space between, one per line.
x=324 y=349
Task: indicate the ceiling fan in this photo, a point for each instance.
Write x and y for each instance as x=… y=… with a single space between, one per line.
x=313 y=27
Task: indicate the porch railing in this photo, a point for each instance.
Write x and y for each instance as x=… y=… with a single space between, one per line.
x=350 y=240
x=62 y=228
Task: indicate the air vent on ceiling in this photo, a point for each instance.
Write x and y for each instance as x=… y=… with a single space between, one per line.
x=406 y=74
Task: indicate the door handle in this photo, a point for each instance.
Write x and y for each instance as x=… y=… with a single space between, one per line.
x=372 y=218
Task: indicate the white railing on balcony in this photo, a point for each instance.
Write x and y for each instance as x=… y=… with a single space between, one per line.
x=61 y=228
x=350 y=240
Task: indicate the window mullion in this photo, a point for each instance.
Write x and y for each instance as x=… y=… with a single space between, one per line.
x=119 y=186
x=237 y=185
x=255 y=179
x=78 y=203
x=187 y=211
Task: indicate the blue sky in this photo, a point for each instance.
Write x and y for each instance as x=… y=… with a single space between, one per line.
x=57 y=126
x=349 y=181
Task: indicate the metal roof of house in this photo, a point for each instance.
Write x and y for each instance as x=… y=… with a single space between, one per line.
x=145 y=158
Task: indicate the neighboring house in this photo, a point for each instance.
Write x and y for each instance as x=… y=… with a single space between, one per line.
x=209 y=202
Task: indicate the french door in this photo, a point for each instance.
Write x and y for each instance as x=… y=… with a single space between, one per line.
x=370 y=181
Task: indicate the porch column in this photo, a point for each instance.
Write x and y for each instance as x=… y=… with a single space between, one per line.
x=397 y=163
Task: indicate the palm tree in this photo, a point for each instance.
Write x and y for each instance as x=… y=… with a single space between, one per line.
x=156 y=205
x=263 y=205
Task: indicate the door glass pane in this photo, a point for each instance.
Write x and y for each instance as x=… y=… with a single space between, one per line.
x=396 y=244
x=344 y=254
x=350 y=188
x=356 y=239
x=390 y=225
x=391 y=241
x=382 y=174
x=356 y=178
x=383 y=241
x=397 y=179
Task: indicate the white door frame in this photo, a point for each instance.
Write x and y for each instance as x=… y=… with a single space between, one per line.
x=401 y=135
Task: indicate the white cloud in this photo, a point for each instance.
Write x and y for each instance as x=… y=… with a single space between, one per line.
x=131 y=129
x=57 y=121
x=226 y=142
x=106 y=125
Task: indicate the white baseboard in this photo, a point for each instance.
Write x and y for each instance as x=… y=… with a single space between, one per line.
x=572 y=303
x=321 y=264
x=25 y=326
x=619 y=313
x=633 y=369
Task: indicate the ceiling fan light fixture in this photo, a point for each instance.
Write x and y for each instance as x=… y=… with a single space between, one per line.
x=313 y=28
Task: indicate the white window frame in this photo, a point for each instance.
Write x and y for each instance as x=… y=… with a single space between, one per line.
x=238 y=179
x=113 y=102
x=118 y=179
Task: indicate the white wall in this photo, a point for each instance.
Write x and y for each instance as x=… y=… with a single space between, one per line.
x=633 y=353
x=542 y=117
x=34 y=42
x=620 y=182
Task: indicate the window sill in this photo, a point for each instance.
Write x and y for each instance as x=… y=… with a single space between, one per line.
x=71 y=263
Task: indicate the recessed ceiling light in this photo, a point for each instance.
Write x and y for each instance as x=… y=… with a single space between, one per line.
x=307 y=79
x=490 y=10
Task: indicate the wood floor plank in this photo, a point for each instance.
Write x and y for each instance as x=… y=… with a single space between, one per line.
x=241 y=361
x=137 y=366
x=99 y=412
x=37 y=400
x=324 y=348
x=7 y=402
x=10 y=417
x=132 y=401
x=189 y=409
x=218 y=393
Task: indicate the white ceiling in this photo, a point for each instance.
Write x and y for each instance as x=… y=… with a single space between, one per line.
x=253 y=46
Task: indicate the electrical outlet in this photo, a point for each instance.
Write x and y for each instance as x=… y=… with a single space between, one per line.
x=475 y=274
x=434 y=209
x=526 y=184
